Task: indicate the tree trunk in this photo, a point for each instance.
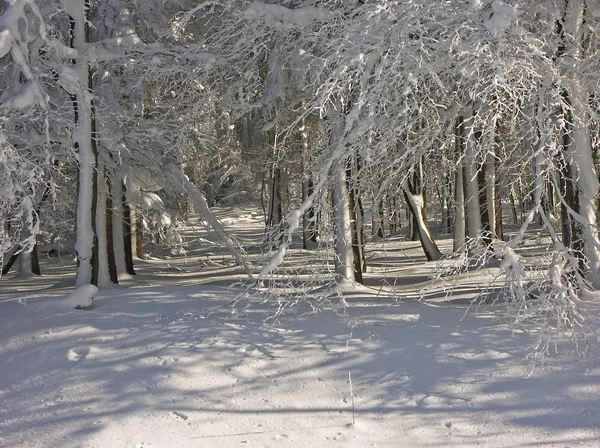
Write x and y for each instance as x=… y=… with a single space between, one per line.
x=309 y=225
x=86 y=244
x=486 y=232
x=361 y=231
x=444 y=201
x=459 y=192
x=275 y=215
x=110 y=247
x=581 y=186
x=139 y=235
x=355 y=226
x=101 y=226
x=344 y=256
x=35 y=260
x=498 y=229
x=414 y=193
x=126 y=225
x=117 y=228
x=11 y=261
x=471 y=184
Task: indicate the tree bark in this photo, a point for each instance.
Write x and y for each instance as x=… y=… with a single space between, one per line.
x=355 y=227
x=459 y=239
x=415 y=199
x=309 y=224
x=110 y=247
x=486 y=228
x=86 y=244
x=275 y=215
x=581 y=186
x=127 y=233
x=344 y=256
x=471 y=184
x=139 y=235
x=498 y=227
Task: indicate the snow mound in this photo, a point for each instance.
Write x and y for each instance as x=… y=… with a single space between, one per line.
x=82 y=297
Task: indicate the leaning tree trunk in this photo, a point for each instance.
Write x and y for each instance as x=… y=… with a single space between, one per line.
x=275 y=213
x=415 y=199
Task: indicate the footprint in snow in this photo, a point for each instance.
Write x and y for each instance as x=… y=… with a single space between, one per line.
x=588 y=413
x=179 y=415
x=77 y=354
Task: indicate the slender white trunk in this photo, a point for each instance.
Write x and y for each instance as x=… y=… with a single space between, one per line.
x=82 y=133
x=472 y=188
x=417 y=203
x=459 y=188
x=344 y=265
x=459 y=212
x=586 y=181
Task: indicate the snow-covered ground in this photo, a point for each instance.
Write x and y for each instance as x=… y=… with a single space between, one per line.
x=178 y=366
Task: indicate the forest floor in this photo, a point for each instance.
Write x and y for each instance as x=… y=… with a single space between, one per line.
x=165 y=360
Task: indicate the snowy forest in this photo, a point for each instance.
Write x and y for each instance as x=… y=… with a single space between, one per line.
x=301 y=198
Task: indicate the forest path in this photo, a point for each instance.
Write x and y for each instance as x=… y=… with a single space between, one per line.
x=395 y=267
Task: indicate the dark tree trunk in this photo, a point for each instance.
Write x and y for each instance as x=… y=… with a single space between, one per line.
x=356 y=241
x=11 y=261
x=127 y=240
x=139 y=235
x=486 y=231
x=35 y=261
x=110 y=249
x=498 y=230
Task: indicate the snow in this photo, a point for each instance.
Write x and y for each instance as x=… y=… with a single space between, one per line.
x=276 y=13
x=153 y=367
x=511 y=264
x=176 y=364
x=82 y=297
x=503 y=17
x=26 y=98
x=150 y=201
x=6 y=41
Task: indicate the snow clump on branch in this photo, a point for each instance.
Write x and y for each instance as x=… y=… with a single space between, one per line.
x=502 y=18
x=276 y=13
